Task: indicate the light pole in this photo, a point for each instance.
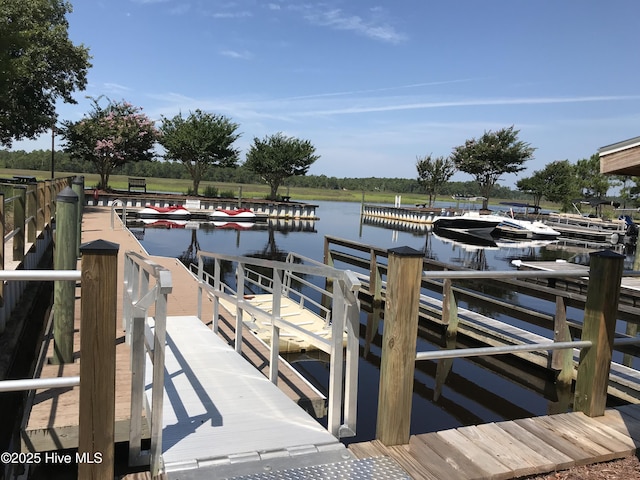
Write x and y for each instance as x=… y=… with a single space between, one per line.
x=53 y=135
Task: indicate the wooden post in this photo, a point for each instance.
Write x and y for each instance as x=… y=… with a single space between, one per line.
x=19 y=218
x=599 y=327
x=397 y=364
x=375 y=278
x=30 y=207
x=562 y=360
x=47 y=209
x=98 y=360
x=64 y=258
x=78 y=187
x=40 y=220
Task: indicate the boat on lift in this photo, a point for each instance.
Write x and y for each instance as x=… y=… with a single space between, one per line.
x=175 y=212
x=233 y=215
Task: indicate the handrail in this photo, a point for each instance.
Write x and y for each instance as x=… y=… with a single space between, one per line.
x=345 y=308
x=38 y=383
x=116 y=202
x=140 y=293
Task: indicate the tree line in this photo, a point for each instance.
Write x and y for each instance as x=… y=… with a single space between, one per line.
x=41 y=160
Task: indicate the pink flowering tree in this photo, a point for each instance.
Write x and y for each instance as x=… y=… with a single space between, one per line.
x=110 y=136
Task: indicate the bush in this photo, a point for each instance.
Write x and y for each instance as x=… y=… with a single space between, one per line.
x=210 y=191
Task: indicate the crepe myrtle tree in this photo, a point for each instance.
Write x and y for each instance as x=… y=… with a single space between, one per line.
x=491 y=156
x=433 y=173
x=278 y=157
x=110 y=136
x=200 y=141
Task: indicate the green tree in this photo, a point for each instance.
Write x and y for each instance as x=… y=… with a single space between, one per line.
x=555 y=183
x=200 y=141
x=491 y=156
x=278 y=157
x=592 y=183
x=433 y=173
x=38 y=66
x=109 y=137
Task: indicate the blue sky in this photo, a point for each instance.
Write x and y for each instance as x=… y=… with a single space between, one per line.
x=373 y=85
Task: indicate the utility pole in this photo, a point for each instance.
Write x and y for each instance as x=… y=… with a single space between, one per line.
x=53 y=136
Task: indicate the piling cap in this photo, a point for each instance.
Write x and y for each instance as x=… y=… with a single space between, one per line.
x=67 y=195
x=100 y=247
x=606 y=254
x=405 y=252
x=79 y=180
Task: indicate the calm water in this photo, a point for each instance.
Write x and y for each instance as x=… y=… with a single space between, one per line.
x=472 y=392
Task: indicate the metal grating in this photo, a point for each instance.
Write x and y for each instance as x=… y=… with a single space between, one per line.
x=379 y=468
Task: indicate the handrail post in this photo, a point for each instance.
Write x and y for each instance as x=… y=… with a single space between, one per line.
x=97 y=368
x=31 y=207
x=397 y=364
x=40 y=214
x=600 y=314
x=275 y=329
x=19 y=218
x=65 y=258
x=239 y=308
x=78 y=187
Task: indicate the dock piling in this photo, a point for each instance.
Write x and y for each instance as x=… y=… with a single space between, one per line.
x=600 y=316
x=400 y=333
x=98 y=365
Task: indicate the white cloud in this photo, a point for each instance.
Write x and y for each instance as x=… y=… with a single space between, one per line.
x=235 y=54
x=339 y=20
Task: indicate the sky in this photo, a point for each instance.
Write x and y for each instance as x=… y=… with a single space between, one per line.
x=373 y=85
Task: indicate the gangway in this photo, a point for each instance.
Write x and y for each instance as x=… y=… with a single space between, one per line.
x=219 y=417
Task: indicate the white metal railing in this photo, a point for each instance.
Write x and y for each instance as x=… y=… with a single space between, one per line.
x=123 y=204
x=38 y=275
x=146 y=285
x=344 y=317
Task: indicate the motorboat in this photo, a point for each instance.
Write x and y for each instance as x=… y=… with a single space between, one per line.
x=526 y=229
x=233 y=215
x=467 y=221
x=175 y=212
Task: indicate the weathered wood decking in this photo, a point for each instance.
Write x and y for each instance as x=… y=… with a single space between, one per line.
x=53 y=420
x=513 y=449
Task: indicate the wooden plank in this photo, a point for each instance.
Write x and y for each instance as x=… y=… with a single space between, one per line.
x=559 y=460
x=595 y=451
x=496 y=469
x=402 y=455
x=572 y=449
x=525 y=460
x=600 y=432
x=623 y=424
x=434 y=463
x=365 y=450
x=457 y=461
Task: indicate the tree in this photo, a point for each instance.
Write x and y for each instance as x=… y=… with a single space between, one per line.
x=555 y=183
x=200 y=141
x=110 y=137
x=433 y=173
x=278 y=157
x=491 y=156
x=38 y=66
x=592 y=183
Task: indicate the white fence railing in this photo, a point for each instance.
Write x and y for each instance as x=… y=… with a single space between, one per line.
x=342 y=313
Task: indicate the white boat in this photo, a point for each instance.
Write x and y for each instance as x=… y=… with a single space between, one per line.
x=531 y=230
x=233 y=215
x=468 y=220
x=173 y=212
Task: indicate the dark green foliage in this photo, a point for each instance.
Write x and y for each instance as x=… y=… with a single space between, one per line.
x=38 y=66
x=491 y=156
x=433 y=173
x=556 y=182
x=200 y=141
x=278 y=157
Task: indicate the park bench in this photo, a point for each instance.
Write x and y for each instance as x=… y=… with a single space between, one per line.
x=140 y=183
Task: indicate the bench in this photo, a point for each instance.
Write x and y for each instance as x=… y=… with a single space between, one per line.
x=140 y=183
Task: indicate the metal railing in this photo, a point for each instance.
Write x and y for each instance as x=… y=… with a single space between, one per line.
x=146 y=286
x=342 y=314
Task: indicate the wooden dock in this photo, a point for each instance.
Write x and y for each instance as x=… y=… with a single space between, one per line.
x=53 y=420
x=513 y=449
